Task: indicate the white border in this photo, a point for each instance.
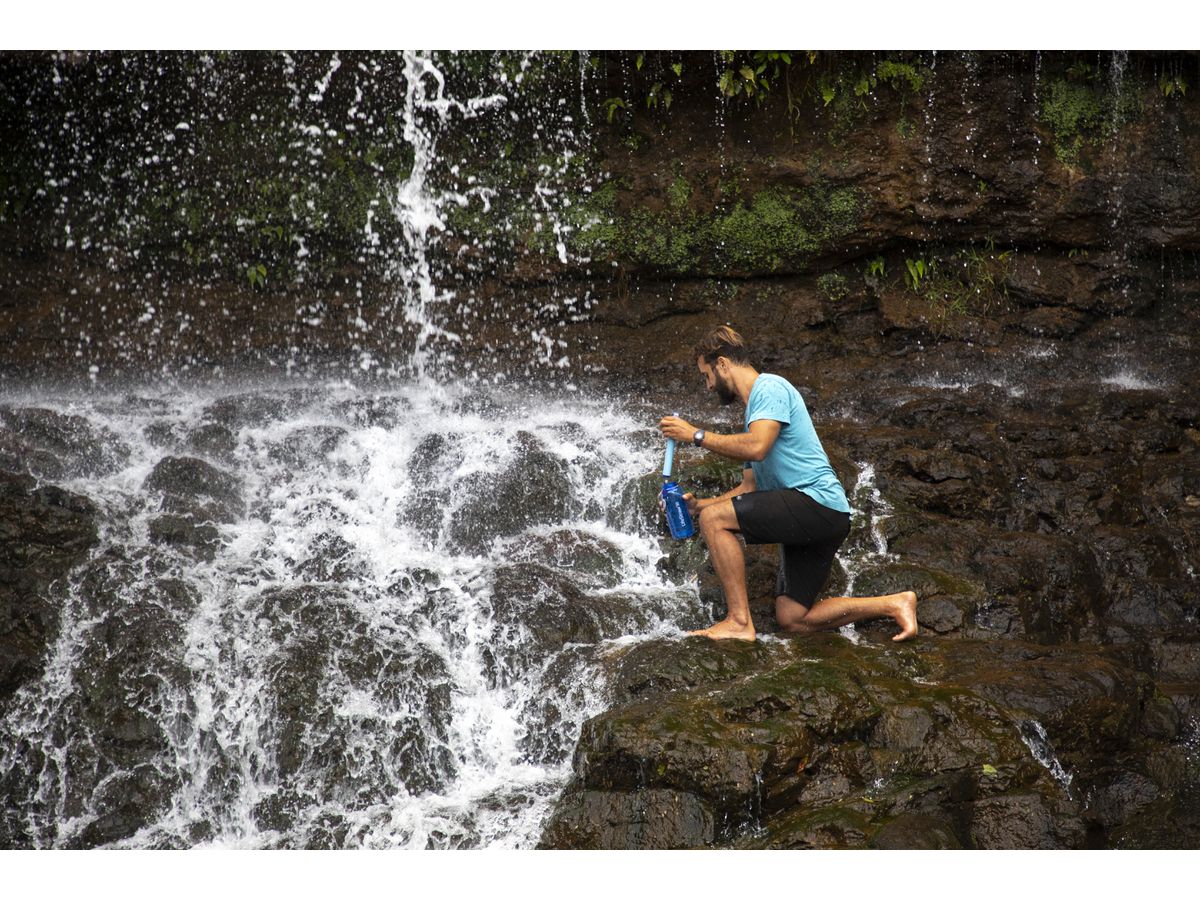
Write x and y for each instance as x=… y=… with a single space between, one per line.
x=611 y=24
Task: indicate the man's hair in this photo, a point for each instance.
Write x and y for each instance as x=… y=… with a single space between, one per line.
x=722 y=341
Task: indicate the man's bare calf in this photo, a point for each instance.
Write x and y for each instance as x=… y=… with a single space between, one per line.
x=834 y=612
x=719 y=525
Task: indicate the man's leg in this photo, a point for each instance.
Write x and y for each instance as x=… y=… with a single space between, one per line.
x=719 y=525
x=834 y=612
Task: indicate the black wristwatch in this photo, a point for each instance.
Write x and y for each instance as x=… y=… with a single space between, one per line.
x=698 y=437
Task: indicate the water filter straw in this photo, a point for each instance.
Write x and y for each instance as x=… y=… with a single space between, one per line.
x=678 y=518
x=669 y=459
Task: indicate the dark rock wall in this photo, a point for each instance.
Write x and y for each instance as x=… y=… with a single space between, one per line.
x=952 y=194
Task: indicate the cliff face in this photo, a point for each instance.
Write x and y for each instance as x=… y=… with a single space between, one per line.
x=192 y=210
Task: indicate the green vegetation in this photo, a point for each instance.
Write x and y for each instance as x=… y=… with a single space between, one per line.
x=1170 y=85
x=833 y=287
x=903 y=76
x=1082 y=112
x=1072 y=111
x=953 y=282
x=914 y=273
x=678 y=193
x=752 y=78
x=771 y=231
x=610 y=107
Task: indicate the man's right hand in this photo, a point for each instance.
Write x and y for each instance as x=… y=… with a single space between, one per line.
x=693 y=504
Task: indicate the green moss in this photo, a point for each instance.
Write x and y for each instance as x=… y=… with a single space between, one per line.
x=775 y=230
x=679 y=193
x=1082 y=114
x=834 y=287
x=1070 y=110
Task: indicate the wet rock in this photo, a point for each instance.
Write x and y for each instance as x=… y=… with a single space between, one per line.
x=945 y=602
x=541 y=611
x=1089 y=703
x=1177 y=660
x=195 y=488
x=45 y=532
x=212 y=440
x=918 y=831
x=637 y=509
x=1053 y=322
x=382 y=411
x=278 y=811
x=18 y=456
x=657 y=667
x=811 y=743
x=573 y=553
x=163 y=434
x=1097 y=282
x=533 y=490
x=641 y=820
x=553 y=693
x=944 y=481
x=1116 y=796
x=1027 y=822
x=185 y=533
x=324 y=647
x=246 y=410
x=131 y=667
x=684 y=560
x=55 y=446
x=127 y=802
x=308 y=446
x=331 y=557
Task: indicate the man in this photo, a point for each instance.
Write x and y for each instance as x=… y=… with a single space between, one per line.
x=789 y=496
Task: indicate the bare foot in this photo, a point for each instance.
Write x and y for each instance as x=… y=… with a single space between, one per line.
x=905 y=615
x=727 y=629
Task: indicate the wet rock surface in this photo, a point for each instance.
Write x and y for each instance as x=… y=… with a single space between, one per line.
x=818 y=743
x=45 y=532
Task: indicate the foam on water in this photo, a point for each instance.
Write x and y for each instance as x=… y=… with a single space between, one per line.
x=1130 y=381
x=354 y=669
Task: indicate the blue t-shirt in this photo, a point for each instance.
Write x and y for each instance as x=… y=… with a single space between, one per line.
x=796 y=459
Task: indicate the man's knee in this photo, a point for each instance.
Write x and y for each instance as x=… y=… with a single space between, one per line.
x=719 y=515
x=789 y=614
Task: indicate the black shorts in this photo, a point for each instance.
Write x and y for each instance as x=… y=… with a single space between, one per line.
x=809 y=535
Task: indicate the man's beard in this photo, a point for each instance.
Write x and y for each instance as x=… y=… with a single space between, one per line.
x=725 y=391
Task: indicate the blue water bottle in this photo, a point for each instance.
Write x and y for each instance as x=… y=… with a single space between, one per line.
x=678 y=518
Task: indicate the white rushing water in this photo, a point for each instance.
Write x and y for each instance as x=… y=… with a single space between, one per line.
x=393 y=645
x=1033 y=734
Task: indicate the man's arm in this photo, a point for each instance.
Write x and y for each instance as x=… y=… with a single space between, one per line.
x=747 y=485
x=748 y=446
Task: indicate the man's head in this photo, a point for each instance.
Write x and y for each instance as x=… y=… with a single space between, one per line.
x=717 y=354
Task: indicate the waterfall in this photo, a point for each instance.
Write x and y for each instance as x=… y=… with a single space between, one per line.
x=324 y=616
x=1034 y=736
x=321 y=614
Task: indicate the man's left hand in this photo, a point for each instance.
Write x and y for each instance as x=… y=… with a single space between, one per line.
x=677 y=428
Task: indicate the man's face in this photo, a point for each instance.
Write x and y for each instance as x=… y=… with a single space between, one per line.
x=715 y=381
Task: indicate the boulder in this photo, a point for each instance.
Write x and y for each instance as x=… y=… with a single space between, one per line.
x=815 y=743
x=45 y=532
x=192 y=486
x=534 y=489
x=57 y=446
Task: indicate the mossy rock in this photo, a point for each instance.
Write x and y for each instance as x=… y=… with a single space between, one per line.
x=945 y=601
